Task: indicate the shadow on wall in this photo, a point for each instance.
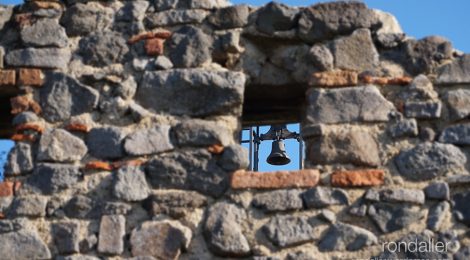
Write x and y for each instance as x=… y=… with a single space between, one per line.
x=5 y=147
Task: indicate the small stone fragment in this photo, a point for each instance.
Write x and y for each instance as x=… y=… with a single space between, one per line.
x=58 y=145
x=275 y=17
x=230 y=17
x=66 y=237
x=103 y=48
x=402 y=195
x=111 y=236
x=19 y=160
x=456 y=134
x=106 y=142
x=44 y=33
x=198 y=132
x=340 y=237
x=280 y=200
x=456 y=72
x=436 y=215
x=234 y=157
x=460 y=207
x=29 y=206
x=438 y=191
x=174 y=203
x=149 y=141
x=393 y=217
x=286 y=231
x=163 y=63
x=320 y=197
x=130 y=184
x=175 y=17
x=189 y=47
x=50 y=178
x=403 y=128
x=423 y=110
x=458 y=103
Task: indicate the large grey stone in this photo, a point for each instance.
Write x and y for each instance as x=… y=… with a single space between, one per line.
x=403 y=128
x=234 y=157
x=399 y=195
x=393 y=217
x=280 y=200
x=175 y=17
x=340 y=237
x=437 y=214
x=197 y=132
x=326 y=20
x=19 y=160
x=58 y=145
x=193 y=170
x=44 y=33
x=66 y=237
x=23 y=245
x=223 y=231
x=189 y=47
x=174 y=203
x=458 y=103
x=320 y=197
x=276 y=17
x=230 y=17
x=190 y=91
x=130 y=184
x=63 y=97
x=111 y=236
x=48 y=58
x=132 y=11
x=106 y=142
x=457 y=72
x=460 y=207
x=423 y=110
x=286 y=231
x=351 y=147
x=82 y=19
x=438 y=191
x=149 y=141
x=103 y=48
x=346 y=105
x=50 y=178
x=160 y=239
x=456 y=134
x=355 y=52
x=429 y=160
x=29 y=206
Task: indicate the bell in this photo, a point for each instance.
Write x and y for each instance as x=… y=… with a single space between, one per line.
x=278 y=154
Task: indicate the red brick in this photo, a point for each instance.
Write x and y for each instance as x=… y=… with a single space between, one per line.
x=98 y=165
x=78 y=127
x=216 y=149
x=334 y=79
x=24 y=103
x=154 y=46
x=357 y=178
x=46 y=5
x=30 y=77
x=136 y=162
x=163 y=34
x=275 y=180
x=23 y=138
x=30 y=126
x=382 y=81
x=6 y=189
x=7 y=78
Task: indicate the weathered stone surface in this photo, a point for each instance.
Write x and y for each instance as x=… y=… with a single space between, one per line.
x=160 y=239
x=30 y=77
x=132 y=11
x=29 y=206
x=405 y=127
x=320 y=55
x=149 y=141
x=175 y=17
x=25 y=117
x=389 y=24
x=174 y=203
x=63 y=97
x=189 y=47
x=103 y=48
x=193 y=170
x=456 y=134
x=111 y=236
x=7 y=78
x=456 y=72
x=285 y=231
x=82 y=207
x=19 y=160
x=66 y=237
x=190 y=4
x=275 y=180
x=393 y=217
x=223 y=231
x=198 y=132
x=7 y=189
x=50 y=178
x=23 y=244
x=51 y=58
x=456 y=180
x=82 y=19
x=438 y=191
x=341 y=105
x=190 y=91
x=334 y=79
x=458 y=103
x=357 y=178
x=12 y=225
x=280 y=200
x=276 y=17
x=77 y=257
x=399 y=195
x=234 y=157
x=340 y=237
x=464 y=253
x=230 y=17
x=460 y=207
x=130 y=184
x=351 y=147
x=355 y=52
x=58 y=145
x=44 y=33
x=106 y=142
x=320 y=197
x=429 y=160
x=163 y=63
x=423 y=110
x=437 y=214
x=325 y=21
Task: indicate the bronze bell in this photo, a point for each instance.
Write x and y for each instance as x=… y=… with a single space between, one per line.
x=278 y=154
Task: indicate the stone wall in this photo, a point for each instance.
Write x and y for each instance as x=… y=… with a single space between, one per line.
x=128 y=115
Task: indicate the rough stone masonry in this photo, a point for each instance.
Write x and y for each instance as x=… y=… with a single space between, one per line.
x=127 y=115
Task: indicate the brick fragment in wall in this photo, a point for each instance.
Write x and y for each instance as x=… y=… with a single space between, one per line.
x=30 y=127
x=357 y=178
x=154 y=46
x=275 y=180
x=7 y=77
x=161 y=34
x=334 y=79
x=24 y=103
x=6 y=189
x=30 y=77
